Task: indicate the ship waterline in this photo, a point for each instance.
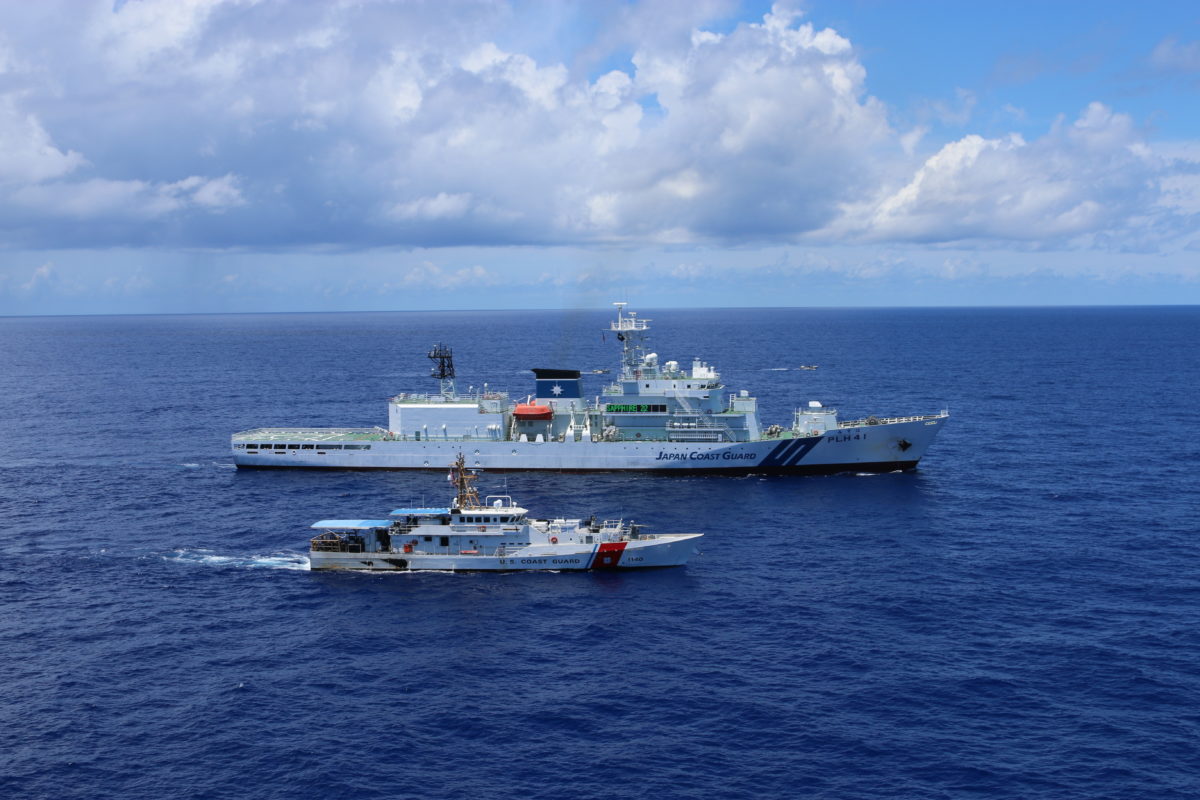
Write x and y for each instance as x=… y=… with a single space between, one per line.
x=866 y=448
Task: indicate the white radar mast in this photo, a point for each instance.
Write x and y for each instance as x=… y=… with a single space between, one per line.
x=631 y=333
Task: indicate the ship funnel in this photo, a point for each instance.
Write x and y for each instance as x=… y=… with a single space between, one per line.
x=558 y=384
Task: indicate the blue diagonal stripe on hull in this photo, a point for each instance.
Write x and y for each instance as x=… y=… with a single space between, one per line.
x=772 y=458
x=777 y=456
x=801 y=451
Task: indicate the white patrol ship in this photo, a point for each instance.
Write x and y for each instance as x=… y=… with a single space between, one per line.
x=656 y=416
x=492 y=536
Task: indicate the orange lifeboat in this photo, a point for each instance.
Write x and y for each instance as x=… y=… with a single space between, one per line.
x=532 y=411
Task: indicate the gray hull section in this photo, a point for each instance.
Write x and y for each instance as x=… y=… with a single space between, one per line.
x=867 y=448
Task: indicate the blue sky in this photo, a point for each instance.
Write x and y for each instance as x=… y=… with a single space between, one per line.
x=228 y=155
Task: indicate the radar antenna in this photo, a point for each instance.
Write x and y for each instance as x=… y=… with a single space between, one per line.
x=631 y=333
x=443 y=370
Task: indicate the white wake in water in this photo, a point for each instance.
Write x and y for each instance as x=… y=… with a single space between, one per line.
x=293 y=561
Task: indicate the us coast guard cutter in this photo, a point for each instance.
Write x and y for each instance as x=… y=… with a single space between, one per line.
x=655 y=416
x=490 y=536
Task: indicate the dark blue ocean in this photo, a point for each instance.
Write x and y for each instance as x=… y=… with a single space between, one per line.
x=1018 y=618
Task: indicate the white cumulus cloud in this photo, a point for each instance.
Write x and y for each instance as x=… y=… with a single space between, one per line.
x=27 y=153
x=259 y=123
x=100 y=198
x=440 y=206
x=1088 y=176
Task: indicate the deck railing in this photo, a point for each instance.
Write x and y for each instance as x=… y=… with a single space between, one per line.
x=855 y=423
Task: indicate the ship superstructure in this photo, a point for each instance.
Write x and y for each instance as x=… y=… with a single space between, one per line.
x=656 y=415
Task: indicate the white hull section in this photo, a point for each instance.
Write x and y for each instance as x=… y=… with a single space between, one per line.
x=662 y=550
x=893 y=445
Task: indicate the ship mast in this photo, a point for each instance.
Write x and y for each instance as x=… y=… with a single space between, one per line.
x=631 y=333
x=467 y=496
x=443 y=370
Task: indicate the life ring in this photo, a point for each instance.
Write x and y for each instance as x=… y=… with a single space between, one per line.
x=553 y=540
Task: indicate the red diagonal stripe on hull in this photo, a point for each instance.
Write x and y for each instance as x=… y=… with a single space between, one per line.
x=609 y=555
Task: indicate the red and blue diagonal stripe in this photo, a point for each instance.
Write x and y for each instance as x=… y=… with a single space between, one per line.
x=608 y=555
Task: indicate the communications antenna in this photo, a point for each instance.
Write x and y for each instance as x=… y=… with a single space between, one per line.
x=631 y=333
x=443 y=370
x=464 y=483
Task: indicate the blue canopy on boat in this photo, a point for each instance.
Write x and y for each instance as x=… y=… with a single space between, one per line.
x=354 y=524
x=418 y=512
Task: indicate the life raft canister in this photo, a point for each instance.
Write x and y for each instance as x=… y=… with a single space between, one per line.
x=531 y=411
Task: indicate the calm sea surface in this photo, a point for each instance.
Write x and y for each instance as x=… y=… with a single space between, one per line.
x=1020 y=617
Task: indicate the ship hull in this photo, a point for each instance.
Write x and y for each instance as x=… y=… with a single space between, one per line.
x=667 y=550
x=864 y=448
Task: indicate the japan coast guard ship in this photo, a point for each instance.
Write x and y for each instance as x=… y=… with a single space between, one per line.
x=657 y=416
x=492 y=536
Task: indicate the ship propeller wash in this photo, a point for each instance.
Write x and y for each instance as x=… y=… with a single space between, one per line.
x=657 y=415
x=494 y=535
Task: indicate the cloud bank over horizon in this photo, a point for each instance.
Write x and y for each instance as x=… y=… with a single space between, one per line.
x=231 y=126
